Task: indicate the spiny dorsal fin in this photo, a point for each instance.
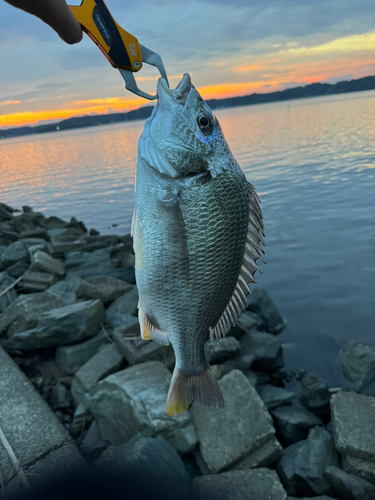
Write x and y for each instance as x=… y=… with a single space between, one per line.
x=238 y=302
x=149 y=331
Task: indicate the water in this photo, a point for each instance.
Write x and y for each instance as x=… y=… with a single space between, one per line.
x=313 y=164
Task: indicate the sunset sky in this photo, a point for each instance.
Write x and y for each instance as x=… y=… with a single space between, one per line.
x=230 y=49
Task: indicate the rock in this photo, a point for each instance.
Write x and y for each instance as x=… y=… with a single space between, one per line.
x=218 y=351
x=252 y=321
x=220 y=370
x=64 y=243
x=93 y=444
x=106 y=361
x=67 y=289
x=315 y=394
x=136 y=350
x=11 y=295
x=134 y=400
x=88 y=264
x=18 y=269
x=274 y=396
x=71 y=358
x=358 y=364
x=261 y=303
x=36 y=282
x=237 y=331
x=36 y=233
x=60 y=397
x=321 y=497
x=247 y=423
x=29 y=307
x=302 y=466
x=349 y=486
x=63 y=326
x=151 y=458
x=5 y=213
x=353 y=417
x=43 y=262
x=266 y=348
x=128 y=304
x=54 y=222
x=14 y=254
x=293 y=423
x=104 y=288
x=8 y=237
x=256 y=484
x=34 y=244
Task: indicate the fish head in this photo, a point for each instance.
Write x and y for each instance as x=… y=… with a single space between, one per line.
x=183 y=137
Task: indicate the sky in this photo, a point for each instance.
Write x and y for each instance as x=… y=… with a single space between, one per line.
x=230 y=49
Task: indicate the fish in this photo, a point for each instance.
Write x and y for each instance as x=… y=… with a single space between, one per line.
x=197 y=233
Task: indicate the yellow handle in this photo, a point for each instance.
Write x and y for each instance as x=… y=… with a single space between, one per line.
x=120 y=47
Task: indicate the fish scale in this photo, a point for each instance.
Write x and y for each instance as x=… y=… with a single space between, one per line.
x=194 y=212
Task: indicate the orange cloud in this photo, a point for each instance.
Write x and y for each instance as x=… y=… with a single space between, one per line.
x=246 y=68
x=7 y=103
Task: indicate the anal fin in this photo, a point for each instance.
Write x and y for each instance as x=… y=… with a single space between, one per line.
x=200 y=387
x=149 y=331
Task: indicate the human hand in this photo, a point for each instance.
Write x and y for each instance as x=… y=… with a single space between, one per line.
x=56 y=13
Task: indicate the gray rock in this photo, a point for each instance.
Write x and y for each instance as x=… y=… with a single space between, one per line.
x=54 y=222
x=29 y=307
x=60 y=397
x=315 y=395
x=150 y=466
x=8 y=237
x=136 y=350
x=33 y=281
x=26 y=420
x=104 y=288
x=302 y=467
x=353 y=417
x=266 y=348
x=349 y=486
x=88 y=264
x=218 y=351
x=93 y=444
x=18 y=269
x=39 y=232
x=320 y=497
x=256 y=484
x=134 y=400
x=274 y=396
x=358 y=364
x=128 y=304
x=64 y=243
x=14 y=253
x=293 y=423
x=9 y=297
x=107 y=360
x=71 y=358
x=67 y=289
x=237 y=331
x=63 y=326
x=261 y=303
x=220 y=370
x=252 y=321
x=245 y=419
x=43 y=262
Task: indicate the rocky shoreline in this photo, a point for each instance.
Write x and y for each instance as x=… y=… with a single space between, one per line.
x=81 y=391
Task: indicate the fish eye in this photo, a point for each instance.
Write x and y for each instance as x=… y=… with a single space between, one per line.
x=205 y=123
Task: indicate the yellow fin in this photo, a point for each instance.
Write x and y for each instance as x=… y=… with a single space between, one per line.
x=149 y=330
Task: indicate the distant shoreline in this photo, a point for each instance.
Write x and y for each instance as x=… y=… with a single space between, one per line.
x=312 y=90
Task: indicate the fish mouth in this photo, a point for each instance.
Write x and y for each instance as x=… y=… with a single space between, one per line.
x=179 y=94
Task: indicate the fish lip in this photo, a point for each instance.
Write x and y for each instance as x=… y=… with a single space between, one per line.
x=178 y=95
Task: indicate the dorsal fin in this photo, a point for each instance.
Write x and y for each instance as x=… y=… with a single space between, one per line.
x=149 y=330
x=238 y=302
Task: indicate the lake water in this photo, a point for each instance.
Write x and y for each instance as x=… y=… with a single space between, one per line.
x=313 y=163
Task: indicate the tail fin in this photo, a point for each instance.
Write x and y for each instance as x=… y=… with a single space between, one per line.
x=201 y=387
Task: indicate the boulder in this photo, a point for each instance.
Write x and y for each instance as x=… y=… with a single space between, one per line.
x=63 y=326
x=218 y=351
x=147 y=467
x=315 y=395
x=302 y=467
x=266 y=349
x=249 y=435
x=18 y=269
x=293 y=423
x=7 y=237
x=134 y=400
x=261 y=303
x=89 y=264
x=349 y=486
x=252 y=321
x=93 y=444
x=14 y=254
x=67 y=289
x=104 y=288
x=36 y=282
x=358 y=365
x=107 y=360
x=60 y=398
x=136 y=350
x=256 y=484
x=353 y=417
x=29 y=308
x=43 y=262
x=71 y=358
x=6 y=298
x=126 y=304
x=274 y=396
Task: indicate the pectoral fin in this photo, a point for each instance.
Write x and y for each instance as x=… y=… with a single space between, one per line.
x=136 y=233
x=149 y=331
